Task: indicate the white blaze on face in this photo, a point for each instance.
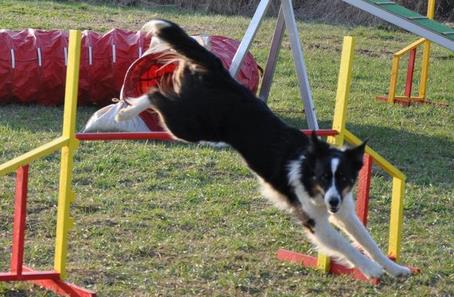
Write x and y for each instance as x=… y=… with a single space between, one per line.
x=332 y=190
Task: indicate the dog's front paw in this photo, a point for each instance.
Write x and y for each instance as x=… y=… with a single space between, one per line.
x=398 y=270
x=372 y=270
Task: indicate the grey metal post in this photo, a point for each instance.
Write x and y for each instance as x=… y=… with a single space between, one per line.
x=273 y=55
x=298 y=58
x=248 y=37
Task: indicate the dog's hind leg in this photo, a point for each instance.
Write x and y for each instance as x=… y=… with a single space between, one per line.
x=347 y=220
x=137 y=105
x=152 y=99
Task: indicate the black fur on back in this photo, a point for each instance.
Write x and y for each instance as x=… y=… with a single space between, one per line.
x=210 y=105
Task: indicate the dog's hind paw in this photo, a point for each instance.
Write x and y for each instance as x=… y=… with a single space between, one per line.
x=123 y=115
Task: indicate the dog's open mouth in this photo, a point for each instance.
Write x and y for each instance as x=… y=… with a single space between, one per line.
x=333 y=209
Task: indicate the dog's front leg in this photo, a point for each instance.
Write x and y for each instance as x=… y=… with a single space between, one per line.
x=330 y=242
x=347 y=220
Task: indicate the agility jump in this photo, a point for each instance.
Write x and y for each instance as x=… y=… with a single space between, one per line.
x=408 y=97
x=371 y=157
x=68 y=143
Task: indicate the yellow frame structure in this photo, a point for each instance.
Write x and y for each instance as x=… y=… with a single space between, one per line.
x=391 y=98
x=68 y=145
x=339 y=124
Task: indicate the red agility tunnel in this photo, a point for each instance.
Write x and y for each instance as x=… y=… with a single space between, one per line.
x=33 y=64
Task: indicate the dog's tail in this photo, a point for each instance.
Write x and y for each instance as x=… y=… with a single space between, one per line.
x=181 y=42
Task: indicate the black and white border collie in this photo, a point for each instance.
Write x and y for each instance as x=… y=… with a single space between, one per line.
x=300 y=174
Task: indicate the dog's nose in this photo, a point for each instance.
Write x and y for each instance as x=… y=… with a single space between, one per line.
x=333 y=202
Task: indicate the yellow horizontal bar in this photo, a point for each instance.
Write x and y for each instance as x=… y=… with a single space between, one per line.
x=382 y=162
x=32 y=155
x=410 y=47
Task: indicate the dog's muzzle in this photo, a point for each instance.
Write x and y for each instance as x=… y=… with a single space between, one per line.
x=334 y=203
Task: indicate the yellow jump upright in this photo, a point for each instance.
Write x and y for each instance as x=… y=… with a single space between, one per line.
x=66 y=194
x=339 y=124
x=343 y=92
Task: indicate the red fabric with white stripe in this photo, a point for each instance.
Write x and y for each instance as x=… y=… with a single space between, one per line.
x=24 y=80
x=225 y=48
x=32 y=64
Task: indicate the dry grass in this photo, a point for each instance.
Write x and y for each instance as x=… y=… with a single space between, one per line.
x=334 y=11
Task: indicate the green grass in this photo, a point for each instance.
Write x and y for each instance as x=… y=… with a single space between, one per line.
x=171 y=219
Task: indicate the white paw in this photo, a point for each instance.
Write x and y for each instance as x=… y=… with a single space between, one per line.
x=154 y=26
x=214 y=144
x=123 y=115
x=372 y=270
x=398 y=271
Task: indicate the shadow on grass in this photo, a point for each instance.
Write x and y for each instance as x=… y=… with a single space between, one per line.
x=426 y=160
x=15 y=293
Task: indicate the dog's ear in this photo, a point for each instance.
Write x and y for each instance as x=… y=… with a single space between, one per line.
x=317 y=146
x=356 y=154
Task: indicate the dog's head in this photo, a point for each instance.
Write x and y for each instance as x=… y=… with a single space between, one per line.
x=330 y=173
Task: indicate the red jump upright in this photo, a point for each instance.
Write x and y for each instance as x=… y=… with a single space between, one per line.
x=49 y=280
